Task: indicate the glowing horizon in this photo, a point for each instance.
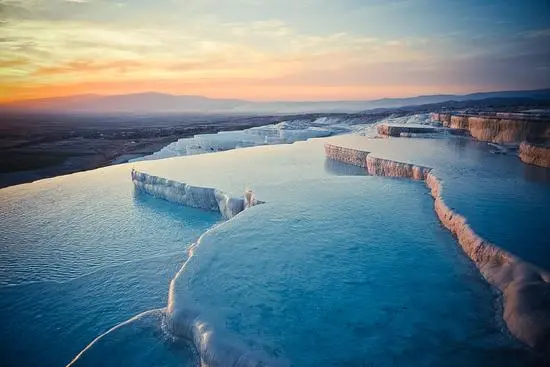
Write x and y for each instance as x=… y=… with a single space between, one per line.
x=265 y=50
x=324 y=94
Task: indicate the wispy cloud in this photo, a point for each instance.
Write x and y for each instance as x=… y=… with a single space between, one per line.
x=538 y=33
x=319 y=47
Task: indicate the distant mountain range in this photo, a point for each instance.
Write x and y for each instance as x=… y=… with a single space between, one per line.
x=167 y=103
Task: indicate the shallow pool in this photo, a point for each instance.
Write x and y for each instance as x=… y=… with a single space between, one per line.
x=336 y=268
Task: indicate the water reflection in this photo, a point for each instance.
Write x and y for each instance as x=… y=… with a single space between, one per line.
x=146 y=203
x=536 y=174
x=341 y=169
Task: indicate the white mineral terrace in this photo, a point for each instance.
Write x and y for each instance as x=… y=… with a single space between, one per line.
x=538 y=155
x=196 y=197
x=497 y=129
x=525 y=289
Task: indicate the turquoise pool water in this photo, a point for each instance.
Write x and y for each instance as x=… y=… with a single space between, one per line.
x=80 y=254
x=505 y=201
x=336 y=268
x=363 y=274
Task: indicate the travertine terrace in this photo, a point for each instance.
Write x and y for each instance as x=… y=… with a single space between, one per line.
x=525 y=289
x=193 y=196
x=400 y=130
x=538 y=155
x=500 y=128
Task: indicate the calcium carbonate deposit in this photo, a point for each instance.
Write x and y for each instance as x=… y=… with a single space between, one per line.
x=442 y=261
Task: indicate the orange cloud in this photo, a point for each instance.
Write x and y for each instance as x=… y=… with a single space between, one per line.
x=11 y=63
x=124 y=66
x=249 y=89
x=84 y=66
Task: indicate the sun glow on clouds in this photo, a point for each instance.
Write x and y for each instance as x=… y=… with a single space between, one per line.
x=231 y=48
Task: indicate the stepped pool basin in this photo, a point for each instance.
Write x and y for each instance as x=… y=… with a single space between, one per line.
x=80 y=254
x=335 y=268
x=505 y=201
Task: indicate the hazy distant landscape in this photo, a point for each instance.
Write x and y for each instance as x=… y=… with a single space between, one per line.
x=36 y=146
x=168 y=103
x=48 y=137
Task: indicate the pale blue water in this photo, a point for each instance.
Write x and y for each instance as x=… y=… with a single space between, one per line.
x=335 y=269
x=505 y=201
x=81 y=254
x=363 y=274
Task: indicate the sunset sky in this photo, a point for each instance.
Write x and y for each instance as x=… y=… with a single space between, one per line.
x=272 y=49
